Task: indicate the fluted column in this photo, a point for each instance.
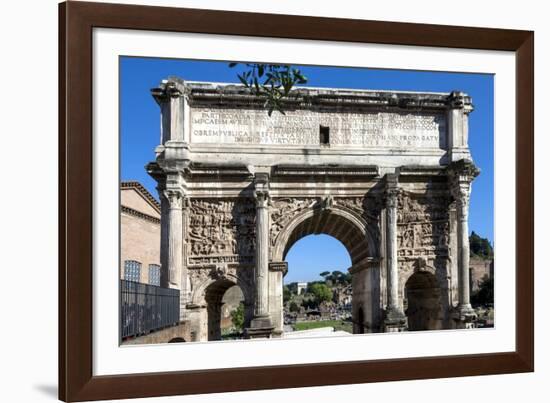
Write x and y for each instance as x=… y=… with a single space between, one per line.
x=261 y=325
x=462 y=207
x=185 y=295
x=395 y=318
x=462 y=174
x=262 y=244
x=174 y=197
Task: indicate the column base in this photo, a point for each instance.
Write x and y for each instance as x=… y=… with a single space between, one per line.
x=464 y=317
x=260 y=328
x=395 y=321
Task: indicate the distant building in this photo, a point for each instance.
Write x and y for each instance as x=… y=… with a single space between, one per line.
x=342 y=295
x=230 y=301
x=139 y=234
x=301 y=287
x=480 y=268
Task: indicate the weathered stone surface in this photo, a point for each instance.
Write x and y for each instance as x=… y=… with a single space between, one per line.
x=139 y=228
x=301 y=128
x=390 y=181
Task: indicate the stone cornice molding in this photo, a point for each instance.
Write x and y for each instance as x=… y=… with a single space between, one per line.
x=139 y=214
x=460 y=100
x=236 y=95
x=167 y=90
x=325 y=170
x=279 y=266
x=142 y=191
x=228 y=171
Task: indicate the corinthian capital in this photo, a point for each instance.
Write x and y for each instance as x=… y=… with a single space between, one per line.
x=461 y=175
x=261 y=189
x=392 y=191
x=174 y=197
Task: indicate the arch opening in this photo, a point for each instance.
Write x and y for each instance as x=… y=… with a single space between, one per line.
x=348 y=230
x=423 y=302
x=222 y=298
x=317 y=290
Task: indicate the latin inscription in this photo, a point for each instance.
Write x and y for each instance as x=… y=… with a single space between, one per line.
x=301 y=128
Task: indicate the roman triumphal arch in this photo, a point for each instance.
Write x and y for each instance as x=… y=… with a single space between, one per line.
x=386 y=173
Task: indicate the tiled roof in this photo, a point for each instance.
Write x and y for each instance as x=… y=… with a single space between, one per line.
x=144 y=192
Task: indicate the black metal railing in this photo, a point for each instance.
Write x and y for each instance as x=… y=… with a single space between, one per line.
x=145 y=308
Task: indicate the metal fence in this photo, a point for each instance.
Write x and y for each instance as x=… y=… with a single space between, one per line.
x=145 y=308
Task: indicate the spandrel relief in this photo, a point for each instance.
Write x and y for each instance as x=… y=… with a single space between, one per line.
x=221 y=230
x=423 y=225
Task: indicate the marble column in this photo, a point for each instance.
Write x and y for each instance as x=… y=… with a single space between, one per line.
x=395 y=318
x=463 y=173
x=463 y=242
x=174 y=197
x=261 y=325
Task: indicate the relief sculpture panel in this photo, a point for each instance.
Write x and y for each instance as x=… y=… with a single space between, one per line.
x=221 y=231
x=283 y=210
x=423 y=226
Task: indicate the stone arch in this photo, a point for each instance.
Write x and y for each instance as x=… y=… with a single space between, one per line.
x=423 y=292
x=206 y=299
x=198 y=295
x=347 y=227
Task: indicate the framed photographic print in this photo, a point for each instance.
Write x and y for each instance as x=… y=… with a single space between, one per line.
x=253 y=201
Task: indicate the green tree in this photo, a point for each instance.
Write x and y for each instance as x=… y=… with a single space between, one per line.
x=338 y=277
x=321 y=292
x=270 y=81
x=480 y=246
x=293 y=307
x=485 y=294
x=237 y=317
x=286 y=294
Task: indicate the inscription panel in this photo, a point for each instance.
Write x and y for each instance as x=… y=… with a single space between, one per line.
x=302 y=128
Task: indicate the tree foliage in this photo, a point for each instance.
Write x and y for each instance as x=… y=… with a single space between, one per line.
x=272 y=81
x=293 y=307
x=485 y=294
x=310 y=303
x=286 y=294
x=480 y=246
x=237 y=317
x=321 y=292
x=336 y=278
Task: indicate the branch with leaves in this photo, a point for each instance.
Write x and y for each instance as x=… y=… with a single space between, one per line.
x=272 y=81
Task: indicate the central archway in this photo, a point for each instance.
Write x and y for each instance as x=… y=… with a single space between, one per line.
x=347 y=227
x=351 y=230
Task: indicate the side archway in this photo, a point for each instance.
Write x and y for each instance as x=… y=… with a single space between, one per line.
x=423 y=296
x=207 y=302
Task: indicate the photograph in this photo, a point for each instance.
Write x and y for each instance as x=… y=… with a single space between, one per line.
x=282 y=201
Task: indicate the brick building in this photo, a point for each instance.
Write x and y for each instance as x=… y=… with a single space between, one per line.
x=479 y=269
x=139 y=234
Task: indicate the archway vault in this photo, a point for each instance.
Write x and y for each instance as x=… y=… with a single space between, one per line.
x=346 y=227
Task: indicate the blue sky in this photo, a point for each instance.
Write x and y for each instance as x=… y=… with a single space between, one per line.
x=140 y=133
